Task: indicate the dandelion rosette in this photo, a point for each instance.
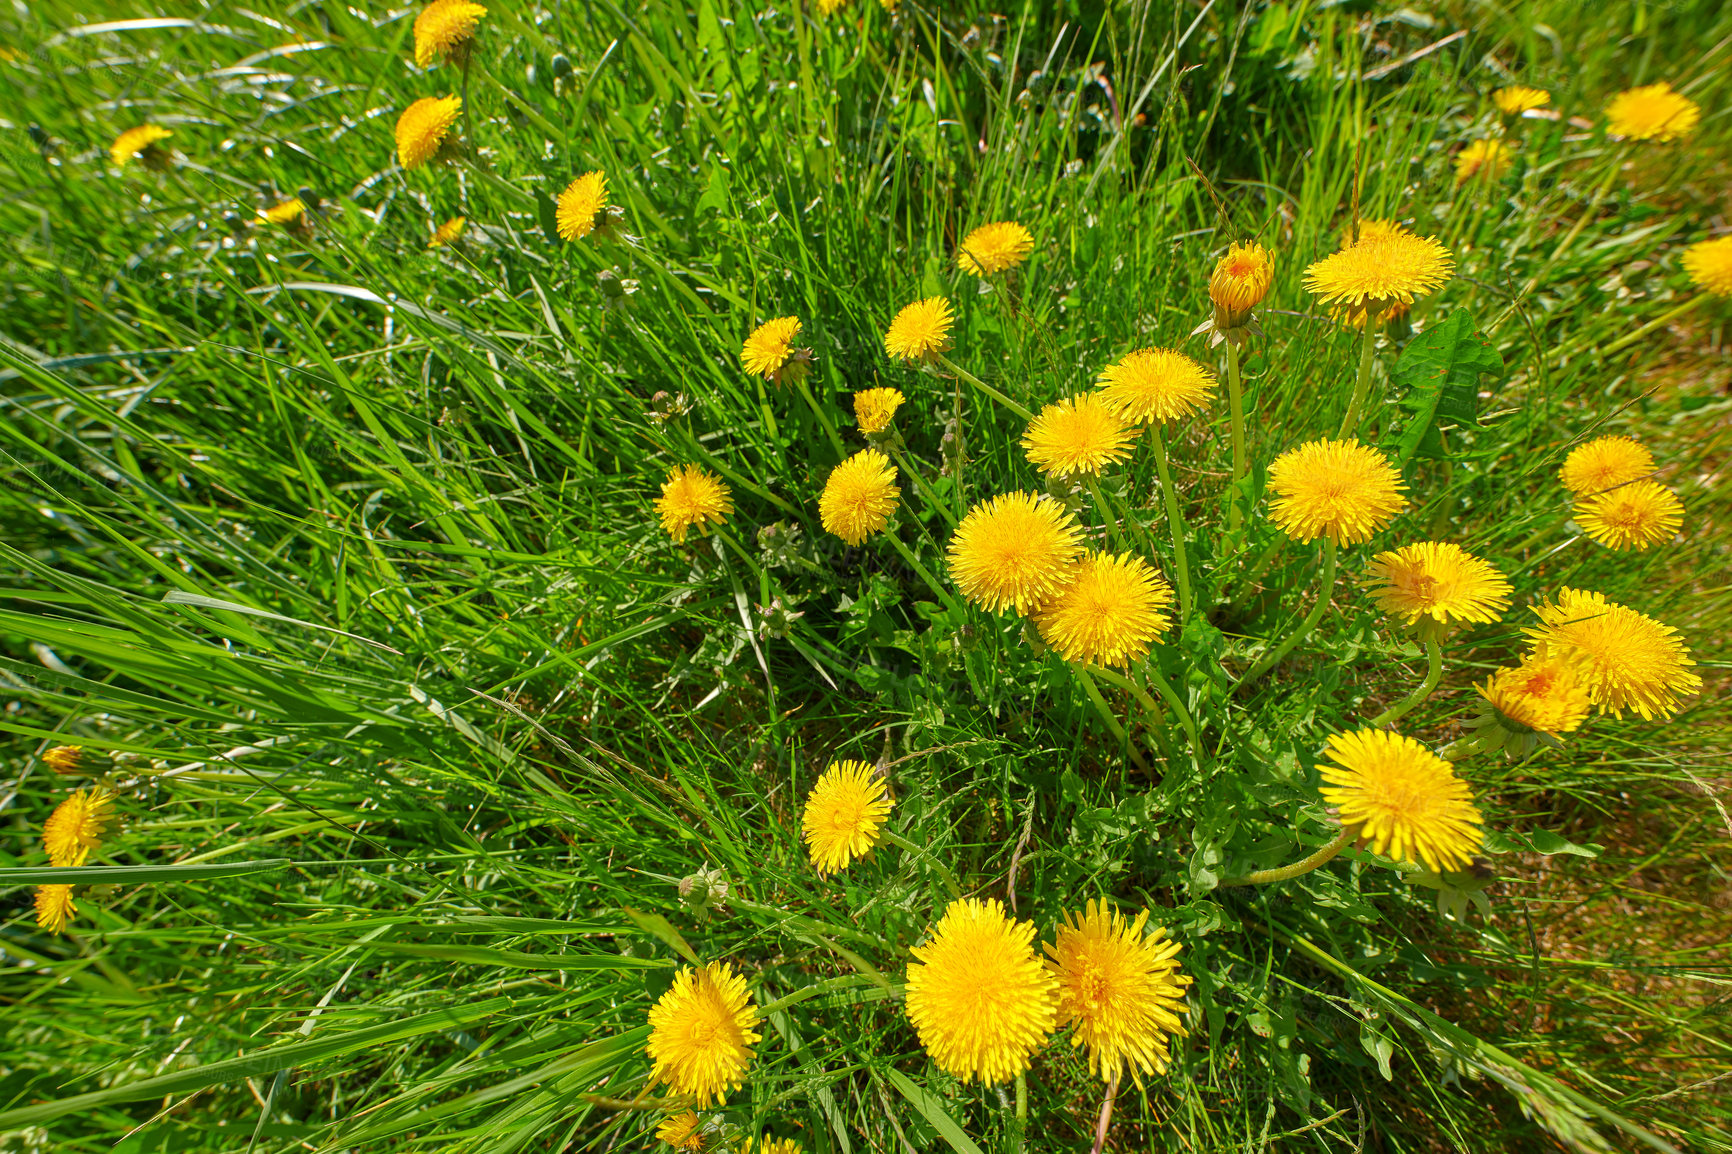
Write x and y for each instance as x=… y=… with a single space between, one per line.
x=1629 y=660
x=1080 y=434
x=448 y=233
x=682 y=1131
x=844 y=815
x=582 y=206
x=78 y=826
x=1120 y=991
x=1709 y=263
x=692 y=498
x=978 y=995
x=1541 y=698
x=1517 y=99
x=701 y=1033
x=444 y=29
x=1151 y=385
x=994 y=247
x=1436 y=584
x=1487 y=159
x=1637 y=515
x=1377 y=271
x=1014 y=551
x=1652 y=112
x=859 y=496
x=874 y=408
x=1401 y=799
x=1109 y=613
x=1340 y=489
x=770 y=353
x=138 y=144
x=422 y=127
x=921 y=331
x=1603 y=463
x=54 y=908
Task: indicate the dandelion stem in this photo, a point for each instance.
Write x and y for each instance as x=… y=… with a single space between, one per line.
x=1176 y=520
x=829 y=429
x=1021 y=1110
x=956 y=612
x=926 y=490
x=1658 y=322
x=1302 y=866
x=1434 y=656
x=1236 y=405
x=1361 y=387
x=984 y=387
x=1119 y=681
x=1106 y=1119
x=908 y=847
x=1324 y=594
x=1107 y=514
x=1100 y=704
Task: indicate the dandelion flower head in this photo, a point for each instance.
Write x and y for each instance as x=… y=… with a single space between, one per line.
x=844 y=815
x=422 y=127
x=1403 y=800
x=1080 y=434
x=1629 y=660
x=1604 y=463
x=1438 y=583
x=1517 y=99
x=920 y=331
x=287 y=211
x=1545 y=693
x=134 y=141
x=1014 y=551
x=701 y=1033
x=1109 y=613
x=692 y=498
x=1371 y=229
x=1377 y=271
x=1121 y=991
x=444 y=28
x=994 y=247
x=859 y=496
x=873 y=408
x=77 y=826
x=582 y=205
x=1340 y=489
x=770 y=353
x=978 y=996
x=449 y=232
x=1151 y=385
x=1652 y=112
x=682 y=1131
x=54 y=908
x=1239 y=283
x=788 y=1145
x=1637 y=515
x=1488 y=159
x=1709 y=263
x=64 y=758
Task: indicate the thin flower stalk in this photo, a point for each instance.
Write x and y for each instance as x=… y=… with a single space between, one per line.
x=1304 y=865
x=957 y=613
x=1100 y=703
x=1236 y=409
x=1120 y=681
x=1175 y=519
x=1434 y=672
x=1019 y=410
x=1108 y=515
x=829 y=429
x=1362 y=386
x=1106 y=1118
x=1324 y=595
x=920 y=482
x=890 y=837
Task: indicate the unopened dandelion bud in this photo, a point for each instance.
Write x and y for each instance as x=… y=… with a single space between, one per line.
x=64 y=758
x=1239 y=283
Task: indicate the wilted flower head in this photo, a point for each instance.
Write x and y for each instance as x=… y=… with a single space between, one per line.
x=1014 y=552
x=1080 y=434
x=701 y=1032
x=141 y=144
x=692 y=499
x=1121 y=991
x=444 y=29
x=859 y=496
x=921 y=331
x=1151 y=385
x=422 y=127
x=1709 y=263
x=1403 y=800
x=1340 y=489
x=1629 y=661
x=1517 y=99
x=1488 y=159
x=1605 y=463
x=64 y=758
x=994 y=247
x=682 y=1131
x=582 y=207
x=1652 y=112
x=1635 y=515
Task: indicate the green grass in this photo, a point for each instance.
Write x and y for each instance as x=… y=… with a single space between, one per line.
x=335 y=549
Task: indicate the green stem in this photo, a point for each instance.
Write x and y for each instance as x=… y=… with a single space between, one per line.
x=827 y=986
x=926 y=490
x=908 y=847
x=1658 y=322
x=1236 y=405
x=984 y=387
x=1434 y=655
x=957 y=614
x=1323 y=597
x=1361 y=387
x=1176 y=520
x=1107 y=516
x=1021 y=1111
x=1100 y=703
x=1302 y=866
x=829 y=429
x=1120 y=681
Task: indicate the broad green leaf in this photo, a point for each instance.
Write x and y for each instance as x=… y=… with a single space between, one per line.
x=1439 y=371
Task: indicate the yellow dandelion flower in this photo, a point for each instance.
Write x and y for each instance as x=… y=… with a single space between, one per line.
x=1121 y=991
x=444 y=29
x=978 y=996
x=844 y=814
x=1402 y=800
x=1151 y=385
x=1545 y=693
x=1340 y=489
x=582 y=206
x=77 y=826
x=1652 y=112
x=54 y=908
x=1709 y=263
x=284 y=213
x=449 y=232
x=701 y=1033
x=1080 y=434
x=786 y=1145
x=831 y=7
x=1375 y=272
x=1638 y=515
x=1517 y=99
x=682 y=1131
x=770 y=353
x=1014 y=551
x=859 y=496
x=873 y=408
x=1371 y=229
x=1489 y=159
x=1439 y=582
x=1629 y=661
x=690 y=499
x=921 y=330
x=1605 y=463
x=1240 y=281
x=64 y=758
x=137 y=143
x=1109 y=613
x=994 y=247
x=422 y=127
